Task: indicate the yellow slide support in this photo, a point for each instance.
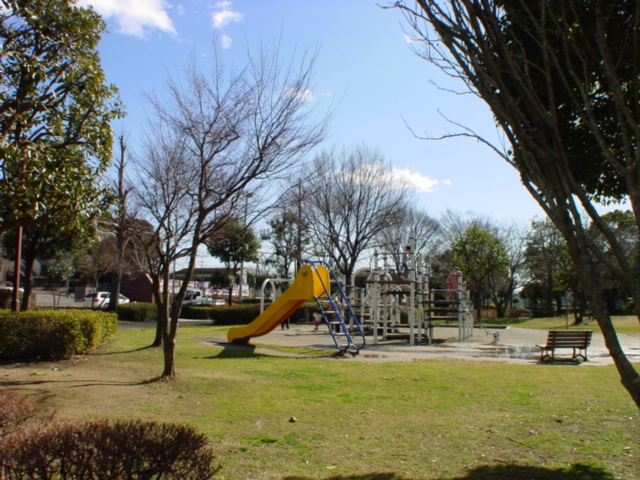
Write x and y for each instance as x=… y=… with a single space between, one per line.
x=309 y=283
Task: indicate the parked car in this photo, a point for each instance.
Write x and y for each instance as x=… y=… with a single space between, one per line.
x=193 y=297
x=101 y=299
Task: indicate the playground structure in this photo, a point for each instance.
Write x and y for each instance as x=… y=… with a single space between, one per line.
x=313 y=282
x=395 y=304
x=407 y=304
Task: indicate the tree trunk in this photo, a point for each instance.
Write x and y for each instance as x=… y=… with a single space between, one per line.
x=161 y=326
x=29 y=261
x=592 y=289
x=162 y=302
x=169 y=341
x=169 y=348
x=116 y=281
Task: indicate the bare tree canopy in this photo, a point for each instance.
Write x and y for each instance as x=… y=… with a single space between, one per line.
x=562 y=81
x=352 y=197
x=215 y=139
x=416 y=229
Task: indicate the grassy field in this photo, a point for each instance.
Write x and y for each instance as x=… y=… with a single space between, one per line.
x=446 y=420
x=622 y=324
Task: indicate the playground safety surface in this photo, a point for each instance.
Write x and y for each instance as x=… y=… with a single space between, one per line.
x=511 y=344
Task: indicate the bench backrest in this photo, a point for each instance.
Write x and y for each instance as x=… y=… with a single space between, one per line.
x=569 y=338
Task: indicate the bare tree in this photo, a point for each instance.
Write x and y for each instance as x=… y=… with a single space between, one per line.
x=123 y=225
x=288 y=231
x=502 y=286
x=351 y=199
x=216 y=139
x=417 y=230
x=561 y=79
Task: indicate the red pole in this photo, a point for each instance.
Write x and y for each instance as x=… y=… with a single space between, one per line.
x=16 y=271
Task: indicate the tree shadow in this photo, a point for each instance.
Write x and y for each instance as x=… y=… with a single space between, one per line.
x=234 y=351
x=119 y=352
x=77 y=383
x=495 y=472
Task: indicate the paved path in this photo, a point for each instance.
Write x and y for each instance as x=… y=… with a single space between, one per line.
x=515 y=345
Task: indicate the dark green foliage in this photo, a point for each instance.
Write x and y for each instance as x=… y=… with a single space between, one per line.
x=104 y=450
x=52 y=334
x=138 y=312
x=6 y=296
x=55 y=114
x=197 y=312
x=238 y=314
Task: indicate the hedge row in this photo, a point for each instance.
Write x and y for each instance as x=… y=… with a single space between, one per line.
x=31 y=448
x=52 y=334
x=6 y=298
x=240 y=314
x=138 y=312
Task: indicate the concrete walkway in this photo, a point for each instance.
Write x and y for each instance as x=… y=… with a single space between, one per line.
x=514 y=345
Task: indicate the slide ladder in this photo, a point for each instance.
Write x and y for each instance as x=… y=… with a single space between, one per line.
x=338 y=314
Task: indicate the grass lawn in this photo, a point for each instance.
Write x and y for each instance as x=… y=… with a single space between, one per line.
x=430 y=419
x=622 y=323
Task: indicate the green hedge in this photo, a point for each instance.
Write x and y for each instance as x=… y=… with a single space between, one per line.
x=237 y=314
x=6 y=298
x=138 y=312
x=52 y=334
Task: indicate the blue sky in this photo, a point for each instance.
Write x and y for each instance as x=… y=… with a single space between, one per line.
x=366 y=70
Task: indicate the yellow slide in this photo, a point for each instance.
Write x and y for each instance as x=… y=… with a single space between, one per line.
x=309 y=283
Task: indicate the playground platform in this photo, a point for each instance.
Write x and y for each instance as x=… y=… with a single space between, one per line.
x=512 y=344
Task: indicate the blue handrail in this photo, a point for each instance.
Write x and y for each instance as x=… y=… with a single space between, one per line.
x=343 y=339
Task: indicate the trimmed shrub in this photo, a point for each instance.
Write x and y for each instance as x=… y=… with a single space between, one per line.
x=196 y=312
x=235 y=314
x=138 y=312
x=124 y=449
x=239 y=314
x=52 y=334
x=6 y=297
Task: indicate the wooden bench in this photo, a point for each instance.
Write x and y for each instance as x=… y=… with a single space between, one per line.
x=577 y=340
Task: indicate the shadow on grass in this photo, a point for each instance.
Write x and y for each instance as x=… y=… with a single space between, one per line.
x=77 y=383
x=239 y=350
x=119 y=352
x=235 y=350
x=496 y=472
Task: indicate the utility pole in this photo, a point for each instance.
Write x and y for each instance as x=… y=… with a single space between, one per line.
x=15 y=304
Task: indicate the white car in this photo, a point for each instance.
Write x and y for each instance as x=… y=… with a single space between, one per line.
x=101 y=299
x=193 y=297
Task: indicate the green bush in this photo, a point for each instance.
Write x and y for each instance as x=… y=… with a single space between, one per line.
x=138 y=312
x=124 y=449
x=238 y=314
x=196 y=312
x=235 y=314
x=6 y=298
x=52 y=334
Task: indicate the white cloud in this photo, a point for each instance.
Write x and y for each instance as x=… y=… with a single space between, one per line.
x=225 y=41
x=134 y=17
x=416 y=181
x=304 y=95
x=225 y=16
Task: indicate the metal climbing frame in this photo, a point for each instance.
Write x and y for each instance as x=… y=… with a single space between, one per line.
x=338 y=314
